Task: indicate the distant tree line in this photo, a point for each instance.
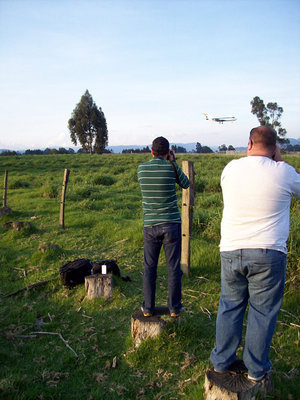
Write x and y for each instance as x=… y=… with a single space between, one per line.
x=61 y=150
x=47 y=151
x=143 y=150
x=223 y=148
x=9 y=153
x=178 y=149
x=290 y=148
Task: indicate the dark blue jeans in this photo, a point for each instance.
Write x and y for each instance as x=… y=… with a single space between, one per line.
x=254 y=278
x=167 y=235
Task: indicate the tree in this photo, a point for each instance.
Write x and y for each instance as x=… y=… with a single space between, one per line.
x=9 y=153
x=198 y=147
x=178 y=149
x=269 y=115
x=206 y=150
x=231 y=148
x=88 y=125
x=29 y=152
x=290 y=147
x=82 y=151
x=203 y=149
x=143 y=150
x=223 y=147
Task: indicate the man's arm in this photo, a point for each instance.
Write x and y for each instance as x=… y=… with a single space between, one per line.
x=181 y=178
x=277 y=157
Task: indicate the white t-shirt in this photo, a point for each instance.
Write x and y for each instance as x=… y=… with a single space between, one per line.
x=257 y=195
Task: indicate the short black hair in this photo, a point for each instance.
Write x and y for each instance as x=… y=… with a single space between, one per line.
x=160 y=146
x=264 y=136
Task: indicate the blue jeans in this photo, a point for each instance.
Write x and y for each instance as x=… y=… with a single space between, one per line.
x=253 y=277
x=167 y=235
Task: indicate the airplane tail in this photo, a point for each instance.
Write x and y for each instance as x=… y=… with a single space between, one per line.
x=207 y=117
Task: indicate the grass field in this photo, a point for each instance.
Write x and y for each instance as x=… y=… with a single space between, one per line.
x=103 y=219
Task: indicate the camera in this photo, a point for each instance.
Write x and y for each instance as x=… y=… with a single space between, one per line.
x=171 y=156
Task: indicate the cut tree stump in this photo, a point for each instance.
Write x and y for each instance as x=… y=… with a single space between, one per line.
x=17 y=225
x=5 y=211
x=99 y=285
x=234 y=384
x=48 y=246
x=145 y=327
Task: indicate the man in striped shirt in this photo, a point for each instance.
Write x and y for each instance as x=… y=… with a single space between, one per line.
x=162 y=223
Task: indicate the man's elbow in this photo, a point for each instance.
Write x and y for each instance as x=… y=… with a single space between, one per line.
x=185 y=185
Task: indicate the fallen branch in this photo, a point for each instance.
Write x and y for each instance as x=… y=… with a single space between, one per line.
x=190 y=295
x=277 y=352
x=290 y=324
x=33 y=285
x=181 y=384
x=282 y=323
x=202 y=277
x=115 y=244
x=60 y=336
x=25 y=336
x=87 y=316
x=297 y=326
x=292 y=315
x=206 y=312
x=163 y=395
x=196 y=291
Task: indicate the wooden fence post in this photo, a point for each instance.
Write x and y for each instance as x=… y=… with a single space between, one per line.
x=5 y=188
x=187 y=215
x=63 y=196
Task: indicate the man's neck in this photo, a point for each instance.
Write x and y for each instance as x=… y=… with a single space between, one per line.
x=259 y=153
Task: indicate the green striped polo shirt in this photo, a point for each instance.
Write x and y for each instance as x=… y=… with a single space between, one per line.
x=157 y=180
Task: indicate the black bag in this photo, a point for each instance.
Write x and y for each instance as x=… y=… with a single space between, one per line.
x=74 y=272
x=111 y=268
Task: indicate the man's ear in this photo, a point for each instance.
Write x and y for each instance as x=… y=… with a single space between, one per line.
x=152 y=151
x=250 y=145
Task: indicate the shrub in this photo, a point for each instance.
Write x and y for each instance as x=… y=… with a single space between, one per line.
x=104 y=180
x=17 y=184
x=50 y=190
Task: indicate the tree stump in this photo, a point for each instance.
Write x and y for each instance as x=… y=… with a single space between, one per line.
x=99 y=285
x=145 y=327
x=234 y=384
x=5 y=211
x=17 y=225
x=48 y=246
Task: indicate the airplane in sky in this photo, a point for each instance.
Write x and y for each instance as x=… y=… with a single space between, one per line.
x=220 y=119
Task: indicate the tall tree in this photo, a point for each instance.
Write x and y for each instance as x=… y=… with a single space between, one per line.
x=269 y=115
x=198 y=147
x=203 y=149
x=87 y=125
x=223 y=147
x=178 y=149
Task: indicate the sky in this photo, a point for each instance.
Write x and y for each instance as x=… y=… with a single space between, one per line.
x=153 y=66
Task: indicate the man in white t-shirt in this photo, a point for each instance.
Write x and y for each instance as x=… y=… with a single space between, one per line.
x=257 y=192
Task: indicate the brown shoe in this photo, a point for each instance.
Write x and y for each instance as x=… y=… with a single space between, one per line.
x=174 y=315
x=147 y=314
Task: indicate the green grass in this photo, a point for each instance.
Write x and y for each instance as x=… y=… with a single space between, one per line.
x=103 y=219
